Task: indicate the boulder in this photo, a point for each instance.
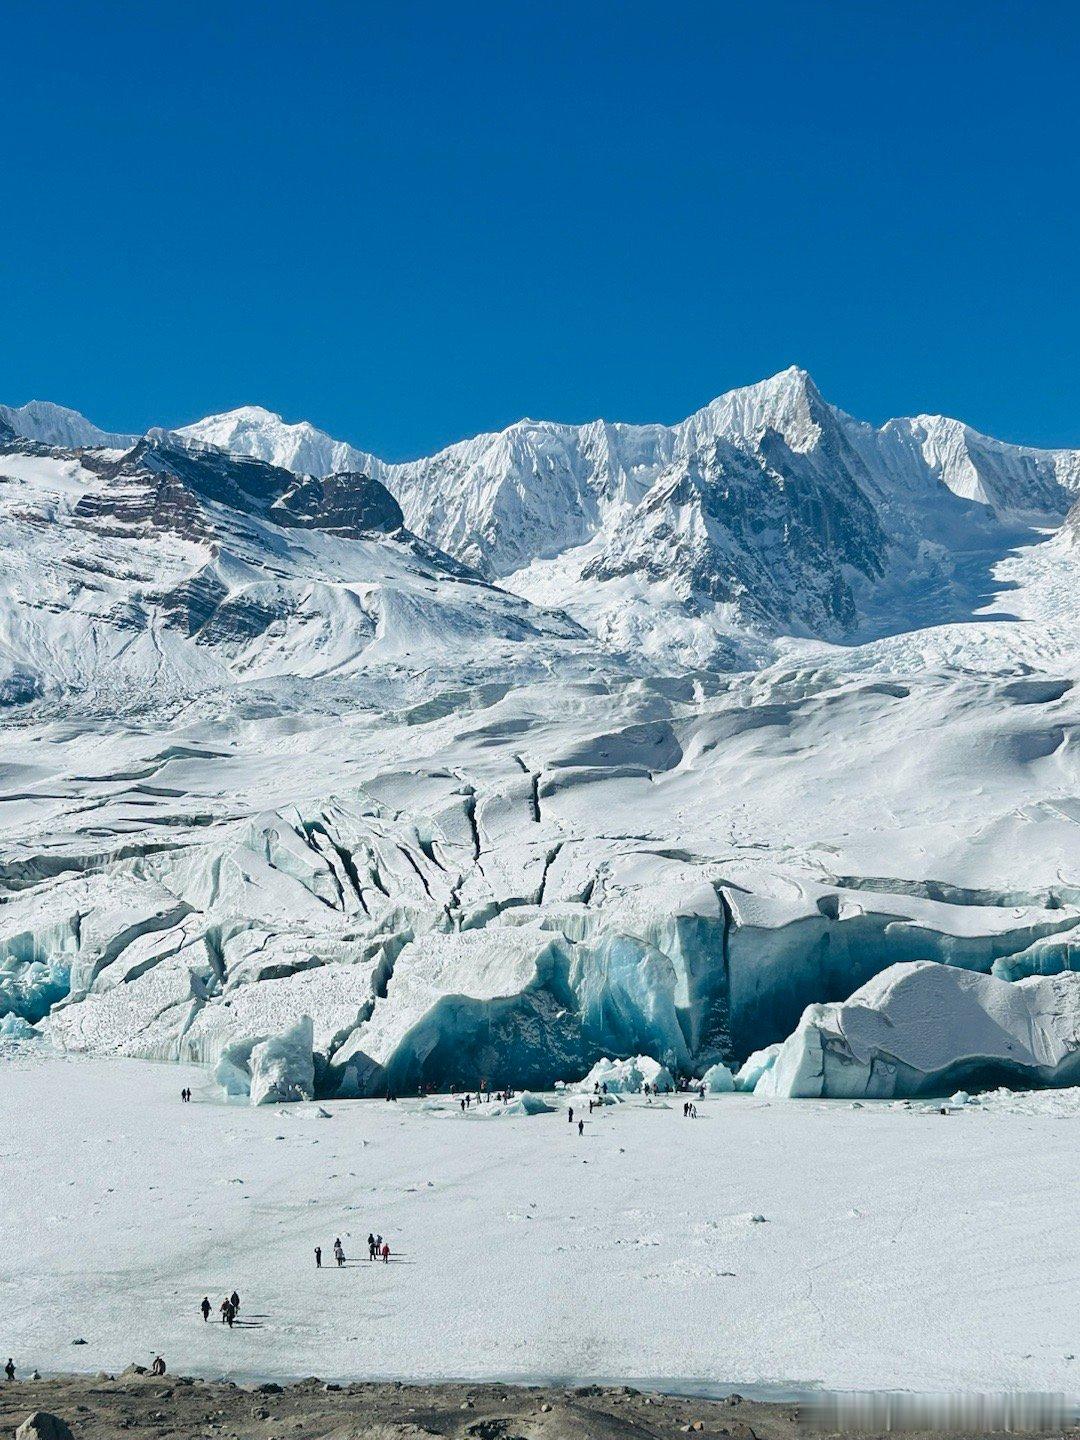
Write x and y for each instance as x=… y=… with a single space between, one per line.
x=43 y=1426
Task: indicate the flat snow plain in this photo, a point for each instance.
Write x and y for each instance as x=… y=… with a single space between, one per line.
x=900 y=1249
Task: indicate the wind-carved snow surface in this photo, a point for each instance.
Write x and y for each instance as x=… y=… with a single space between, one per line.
x=760 y=705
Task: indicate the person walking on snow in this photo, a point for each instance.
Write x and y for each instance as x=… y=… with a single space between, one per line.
x=225 y=1307
x=581 y=1127
x=570 y=1115
x=385 y=1252
x=318 y=1257
x=9 y=1368
x=234 y=1301
x=370 y=1246
x=205 y=1308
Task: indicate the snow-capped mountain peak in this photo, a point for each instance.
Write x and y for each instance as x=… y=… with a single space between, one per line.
x=766 y=512
x=274 y=755
x=788 y=402
x=264 y=435
x=51 y=424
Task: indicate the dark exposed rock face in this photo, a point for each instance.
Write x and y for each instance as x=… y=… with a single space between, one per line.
x=155 y=501
x=211 y=474
x=773 y=532
x=346 y=504
x=243 y=617
x=190 y=605
x=167 y=483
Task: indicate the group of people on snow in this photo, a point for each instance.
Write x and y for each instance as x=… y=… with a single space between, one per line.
x=378 y=1249
x=467 y=1100
x=228 y=1309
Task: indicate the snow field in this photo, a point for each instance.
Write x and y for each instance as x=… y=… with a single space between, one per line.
x=900 y=1248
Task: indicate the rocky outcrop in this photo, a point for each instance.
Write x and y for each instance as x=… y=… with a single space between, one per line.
x=43 y=1426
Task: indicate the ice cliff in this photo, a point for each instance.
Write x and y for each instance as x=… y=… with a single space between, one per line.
x=921 y=1029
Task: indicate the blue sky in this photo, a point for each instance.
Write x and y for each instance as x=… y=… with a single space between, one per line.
x=409 y=222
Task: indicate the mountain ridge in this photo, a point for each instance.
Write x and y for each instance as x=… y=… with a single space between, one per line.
x=766 y=512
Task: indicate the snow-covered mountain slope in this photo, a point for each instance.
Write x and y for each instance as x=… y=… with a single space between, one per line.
x=766 y=513
x=176 y=571
x=1008 y=479
x=269 y=753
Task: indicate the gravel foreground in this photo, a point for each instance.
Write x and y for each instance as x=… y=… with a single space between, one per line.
x=104 y=1408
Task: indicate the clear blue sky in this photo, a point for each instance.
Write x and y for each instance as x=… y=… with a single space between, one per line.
x=409 y=222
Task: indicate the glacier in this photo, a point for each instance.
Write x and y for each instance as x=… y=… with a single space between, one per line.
x=924 y=1028
x=564 y=746
x=281 y=1067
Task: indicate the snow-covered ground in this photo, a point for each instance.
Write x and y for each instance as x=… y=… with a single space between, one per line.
x=900 y=1248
